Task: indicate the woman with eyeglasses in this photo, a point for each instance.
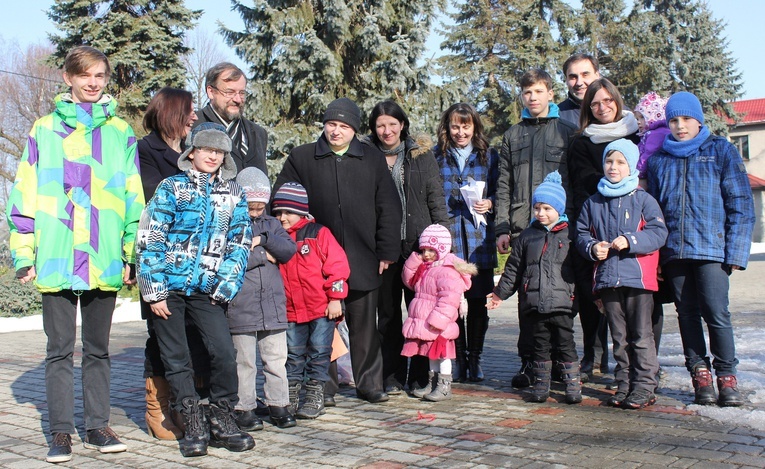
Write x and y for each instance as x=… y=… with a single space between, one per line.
x=603 y=119
x=168 y=119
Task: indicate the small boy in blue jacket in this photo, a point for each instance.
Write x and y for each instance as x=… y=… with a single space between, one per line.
x=621 y=228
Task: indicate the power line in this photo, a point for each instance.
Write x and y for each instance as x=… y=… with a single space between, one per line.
x=28 y=76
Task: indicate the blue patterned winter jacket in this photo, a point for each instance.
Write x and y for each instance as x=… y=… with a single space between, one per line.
x=194 y=236
x=474 y=244
x=707 y=203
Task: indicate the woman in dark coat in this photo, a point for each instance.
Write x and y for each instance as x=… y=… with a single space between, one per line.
x=168 y=119
x=415 y=173
x=603 y=119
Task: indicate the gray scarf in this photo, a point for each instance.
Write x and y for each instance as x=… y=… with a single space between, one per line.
x=397 y=172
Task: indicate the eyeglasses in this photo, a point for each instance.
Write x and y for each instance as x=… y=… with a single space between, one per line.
x=212 y=151
x=231 y=93
x=603 y=102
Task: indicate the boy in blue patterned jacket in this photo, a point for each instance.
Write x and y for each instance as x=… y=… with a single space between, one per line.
x=192 y=247
x=621 y=228
x=700 y=182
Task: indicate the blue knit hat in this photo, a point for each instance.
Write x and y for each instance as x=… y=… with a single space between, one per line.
x=551 y=192
x=684 y=104
x=291 y=197
x=626 y=148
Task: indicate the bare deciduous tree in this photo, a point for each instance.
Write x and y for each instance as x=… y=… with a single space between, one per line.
x=205 y=52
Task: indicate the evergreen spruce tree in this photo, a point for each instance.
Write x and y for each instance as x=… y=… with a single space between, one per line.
x=494 y=43
x=303 y=54
x=142 y=38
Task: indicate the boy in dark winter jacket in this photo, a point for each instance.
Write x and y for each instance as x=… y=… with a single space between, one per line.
x=192 y=247
x=257 y=317
x=621 y=228
x=700 y=182
x=315 y=280
x=531 y=149
x=539 y=267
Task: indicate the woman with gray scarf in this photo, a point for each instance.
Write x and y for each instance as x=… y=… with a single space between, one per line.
x=415 y=174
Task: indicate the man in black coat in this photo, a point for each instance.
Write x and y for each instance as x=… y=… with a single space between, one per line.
x=225 y=84
x=350 y=191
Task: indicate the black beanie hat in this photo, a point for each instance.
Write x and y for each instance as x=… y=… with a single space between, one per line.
x=344 y=110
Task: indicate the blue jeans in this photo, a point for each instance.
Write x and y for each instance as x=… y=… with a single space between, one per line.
x=309 y=347
x=701 y=291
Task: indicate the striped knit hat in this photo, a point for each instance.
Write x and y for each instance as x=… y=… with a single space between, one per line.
x=255 y=183
x=551 y=192
x=437 y=238
x=291 y=197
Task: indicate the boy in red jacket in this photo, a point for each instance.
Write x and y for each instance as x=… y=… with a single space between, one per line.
x=315 y=280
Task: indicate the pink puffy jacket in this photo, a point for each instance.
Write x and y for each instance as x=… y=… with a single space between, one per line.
x=437 y=296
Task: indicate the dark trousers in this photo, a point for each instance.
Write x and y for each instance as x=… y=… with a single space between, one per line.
x=553 y=331
x=594 y=324
x=210 y=320
x=629 y=312
x=59 y=323
x=366 y=358
x=389 y=325
x=701 y=292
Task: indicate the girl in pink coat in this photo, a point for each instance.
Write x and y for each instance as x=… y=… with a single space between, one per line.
x=439 y=280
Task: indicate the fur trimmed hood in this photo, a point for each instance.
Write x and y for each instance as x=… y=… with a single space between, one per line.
x=416 y=145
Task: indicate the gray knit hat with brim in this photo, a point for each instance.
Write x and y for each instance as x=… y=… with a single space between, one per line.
x=209 y=135
x=344 y=110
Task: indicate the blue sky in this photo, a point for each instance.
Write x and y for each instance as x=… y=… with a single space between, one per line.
x=26 y=22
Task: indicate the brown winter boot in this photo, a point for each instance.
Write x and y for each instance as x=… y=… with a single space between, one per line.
x=158 y=421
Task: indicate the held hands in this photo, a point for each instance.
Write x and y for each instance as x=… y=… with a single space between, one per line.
x=482 y=206
x=620 y=243
x=600 y=250
x=334 y=310
x=160 y=309
x=493 y=301
x=503 y=244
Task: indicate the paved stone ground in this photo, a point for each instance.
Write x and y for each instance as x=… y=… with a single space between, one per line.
x=486 y=425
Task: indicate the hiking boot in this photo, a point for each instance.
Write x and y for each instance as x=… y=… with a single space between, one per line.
x=294 y=390
x=442 y=390
x=248 y=421
x=428 y=388
x=394 y=389
x=313 y=404
x=223 y=429
x=617 y=399
x=569 y=372
x=104 y=440
x=729 y=393
x=196 y=434
x=60 y=448
x=281 y=416
x=541 y=390
x=638 y=399
x=703 y=386
x=525 y=376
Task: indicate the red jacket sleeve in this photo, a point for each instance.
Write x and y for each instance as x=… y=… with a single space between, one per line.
x=335 y=268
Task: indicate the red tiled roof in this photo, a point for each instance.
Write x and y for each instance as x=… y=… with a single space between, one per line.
x=755 y=182
x=751 y=111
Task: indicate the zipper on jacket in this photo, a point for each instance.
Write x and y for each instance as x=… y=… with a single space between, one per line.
x=203 y=236
x=682 y=208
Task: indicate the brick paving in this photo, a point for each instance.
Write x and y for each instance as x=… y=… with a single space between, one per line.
x=484 y=425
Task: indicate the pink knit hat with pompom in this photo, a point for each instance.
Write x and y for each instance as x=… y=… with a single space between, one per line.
x=652 y=107
x=437 y=238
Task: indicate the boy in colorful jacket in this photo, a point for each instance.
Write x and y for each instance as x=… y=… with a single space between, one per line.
x=315 y=280
x=73 y=213
x=193 y=242
x=621 y=229
x=700 y=182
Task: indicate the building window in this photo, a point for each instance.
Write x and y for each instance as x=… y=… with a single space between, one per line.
x=742 y=145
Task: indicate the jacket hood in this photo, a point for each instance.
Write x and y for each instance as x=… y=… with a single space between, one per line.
x=226 y=171
x=415 y=145
x=91 y=115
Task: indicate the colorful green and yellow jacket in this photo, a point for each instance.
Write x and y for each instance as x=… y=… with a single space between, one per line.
x=74 y=208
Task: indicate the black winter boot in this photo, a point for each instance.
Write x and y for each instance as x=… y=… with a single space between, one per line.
x=703 y=385
x=525 y=376
x=477 y=325
x=224 y=431
x=196 y=435
x=294 y=396
x=729 y=393
x=459 y=372
x=570 y=374
x=313 y=404
x=281 y=416
x=541 y=390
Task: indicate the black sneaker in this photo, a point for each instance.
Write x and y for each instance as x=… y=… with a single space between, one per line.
x=104 y=440
x=638 y=399
x=60 y=448
x=617 y=399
